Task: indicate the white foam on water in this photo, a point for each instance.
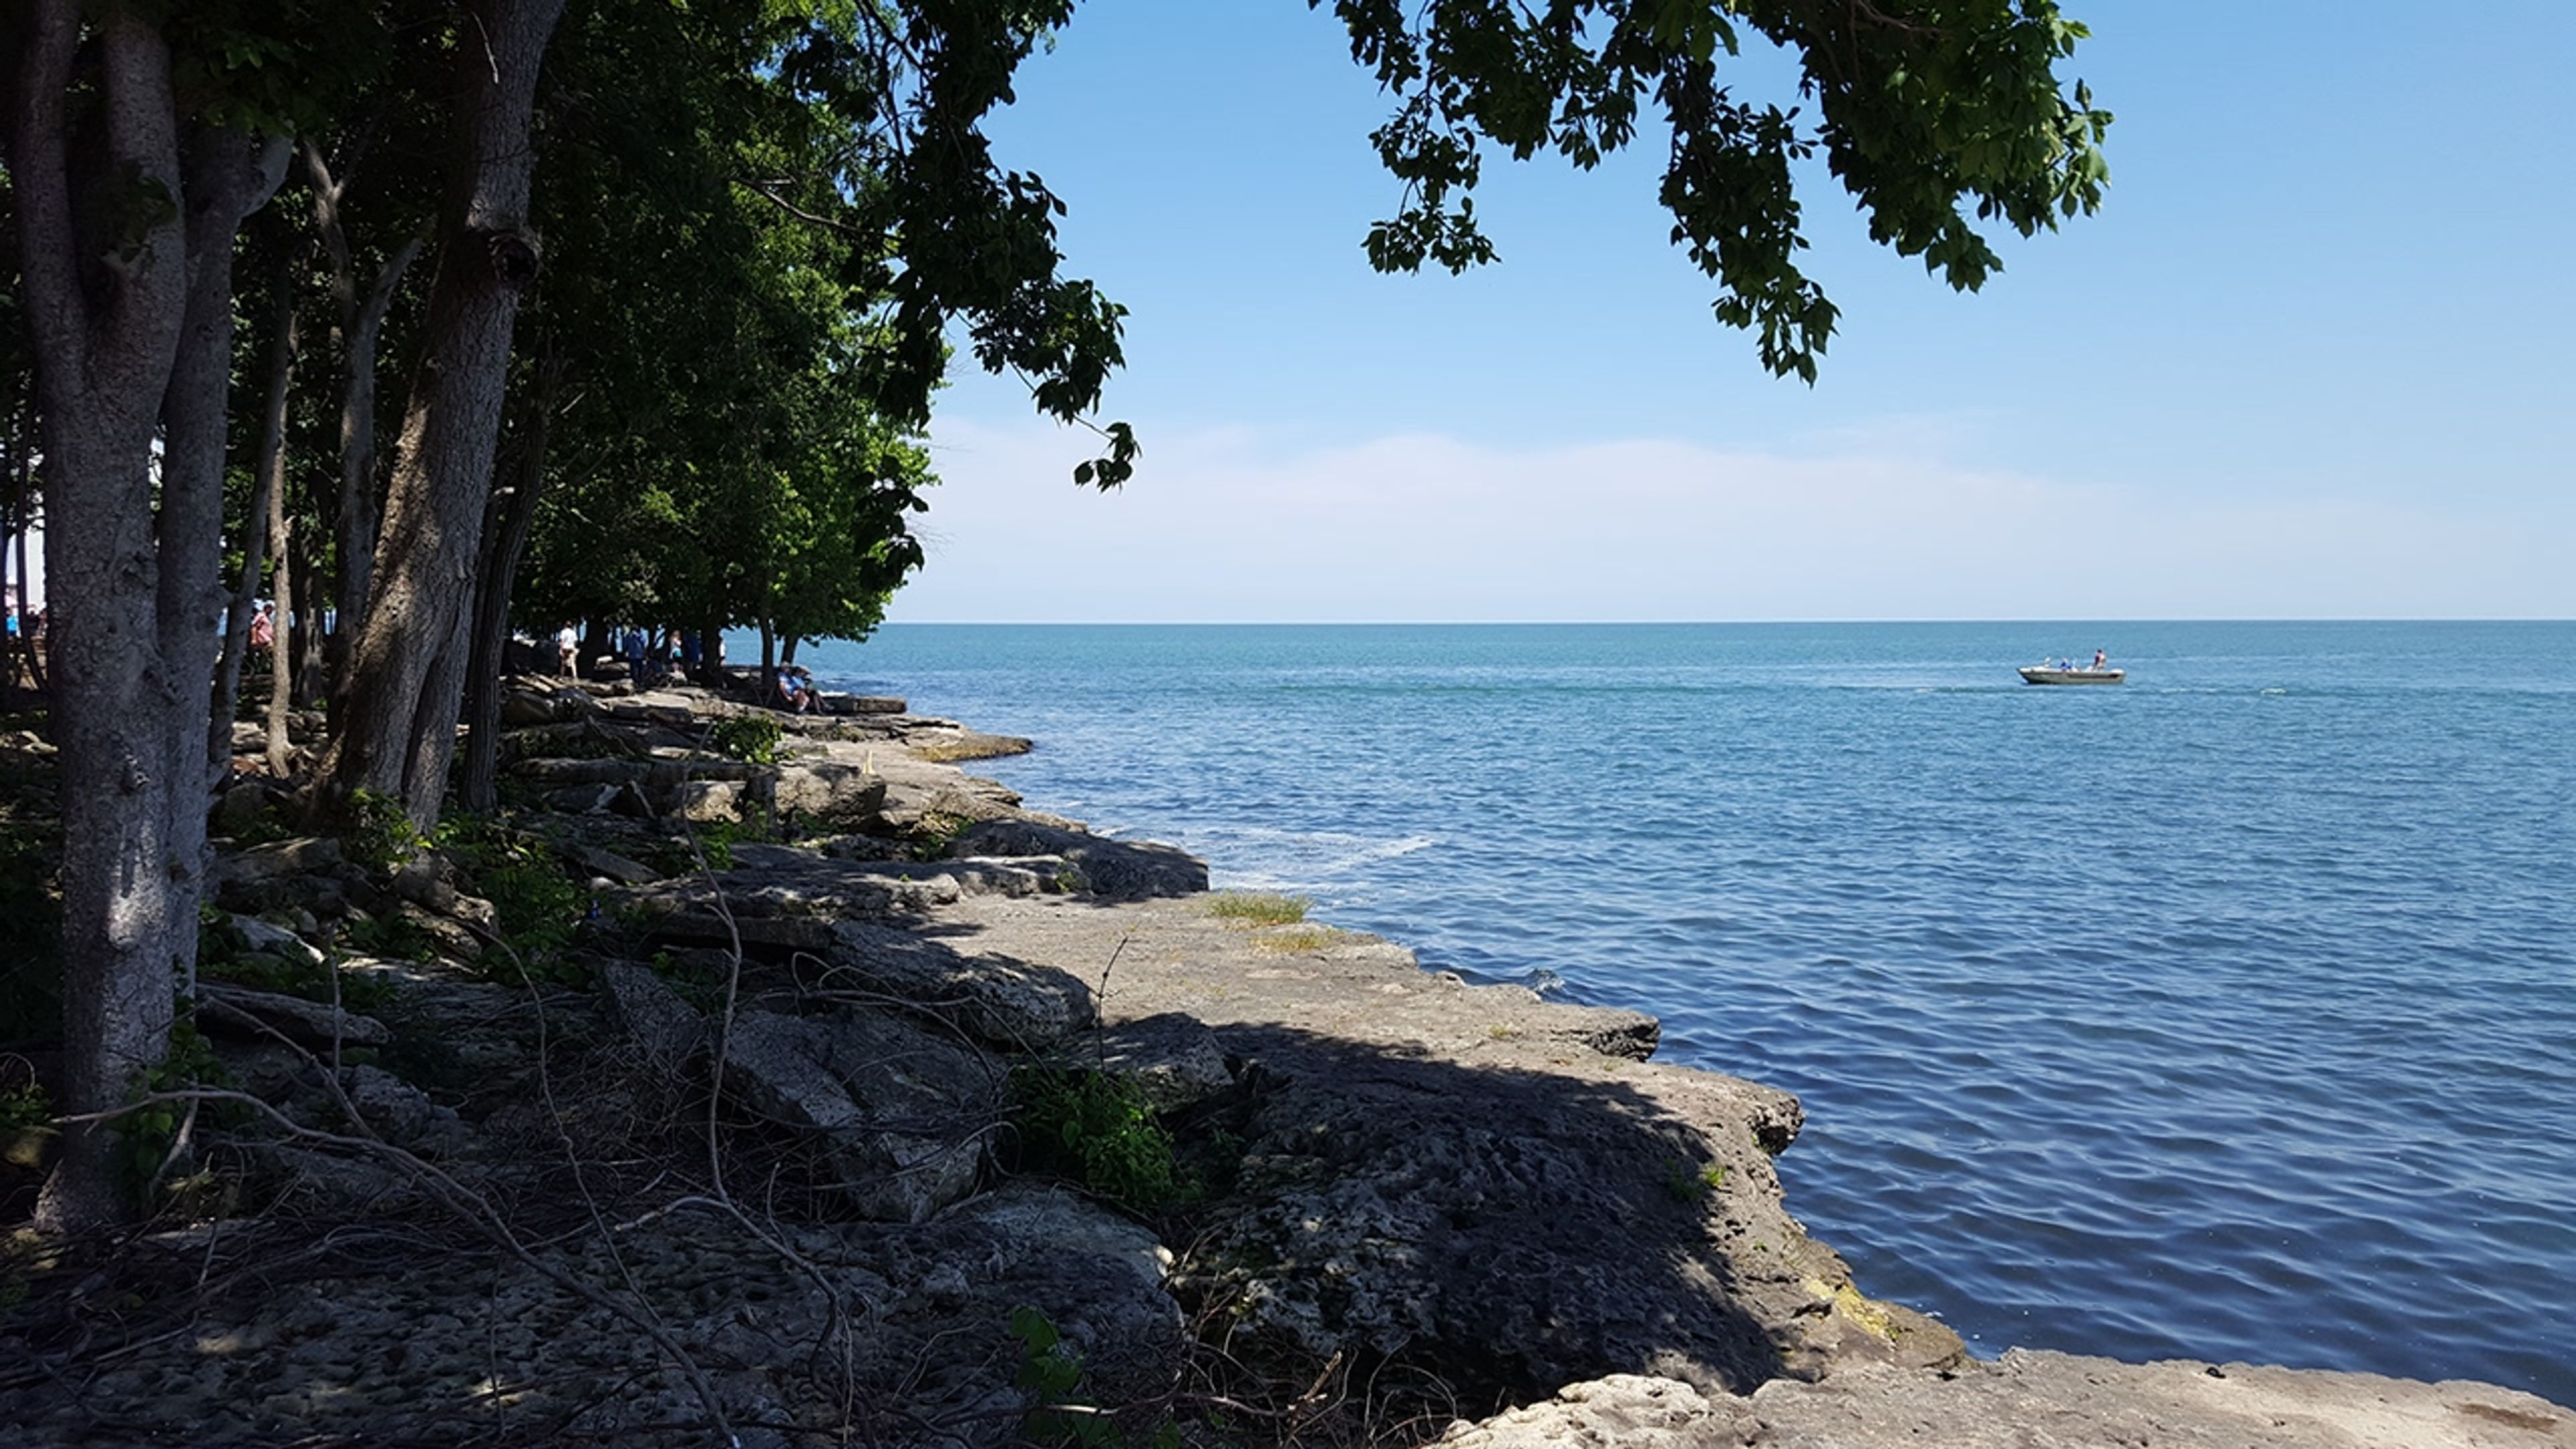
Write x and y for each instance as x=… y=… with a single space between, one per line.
x=1262 y=858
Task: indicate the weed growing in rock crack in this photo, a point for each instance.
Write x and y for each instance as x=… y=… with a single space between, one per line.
x=1258 y=908
x=391 y=936
x=935 y=832
x=1297 y=940
x=715 y=841
x=378 y=833
x=1095 y=1130
x=1690 y=1185
x=1051 y=1371
x=751 y=738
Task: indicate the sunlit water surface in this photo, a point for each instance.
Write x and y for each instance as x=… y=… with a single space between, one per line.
x=2230 y=1013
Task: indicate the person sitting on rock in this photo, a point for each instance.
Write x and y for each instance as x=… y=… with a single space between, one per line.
x=791 y=691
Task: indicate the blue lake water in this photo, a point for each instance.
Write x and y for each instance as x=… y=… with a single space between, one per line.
x=2230 y=1013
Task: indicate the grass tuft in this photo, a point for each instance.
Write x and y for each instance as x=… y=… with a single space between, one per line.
x=1298 y=940
x=1258 y=908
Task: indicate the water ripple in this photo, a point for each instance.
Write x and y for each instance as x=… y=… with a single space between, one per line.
x=2231 y=1014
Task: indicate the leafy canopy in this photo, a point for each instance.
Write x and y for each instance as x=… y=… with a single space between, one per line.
x=1928 y=112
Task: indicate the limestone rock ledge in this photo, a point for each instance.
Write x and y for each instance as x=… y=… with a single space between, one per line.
x=2028 y=1399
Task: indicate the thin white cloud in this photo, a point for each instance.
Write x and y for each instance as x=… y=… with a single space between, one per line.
x=1229 y=526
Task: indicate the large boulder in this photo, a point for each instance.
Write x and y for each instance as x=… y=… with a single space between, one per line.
x=1524 y=1224
x=1115 y=869
x=999 y=998
x=665 y=1029
x=901 y=1116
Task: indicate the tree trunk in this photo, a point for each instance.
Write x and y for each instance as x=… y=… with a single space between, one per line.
x=260 y=533
x=281 y=679
x=510 y=517
x=121 y=353
x=312 y=640
x=360 y=321
x=407 y=660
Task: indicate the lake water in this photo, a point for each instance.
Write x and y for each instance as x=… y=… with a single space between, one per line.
x=2230 y=1013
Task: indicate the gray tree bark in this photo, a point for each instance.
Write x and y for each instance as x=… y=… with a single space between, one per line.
x=509 y=517
x=360 y=315
x=407 y=662
x=264 y=531
x=121 y=353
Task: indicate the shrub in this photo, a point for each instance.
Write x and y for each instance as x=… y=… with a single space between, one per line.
x=378 y=833
x=1095 y=1130
x=751 y=738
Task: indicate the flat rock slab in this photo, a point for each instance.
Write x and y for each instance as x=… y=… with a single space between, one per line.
x=2033 y=1400
x=874 y=1333
x=241 y=1011
x=999 y=998
x=1470 y=1175
x=1116 y=869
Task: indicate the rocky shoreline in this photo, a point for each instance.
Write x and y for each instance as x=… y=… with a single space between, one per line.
x=869 y=1106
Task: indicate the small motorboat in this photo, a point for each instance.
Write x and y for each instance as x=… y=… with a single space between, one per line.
x=2070 y=674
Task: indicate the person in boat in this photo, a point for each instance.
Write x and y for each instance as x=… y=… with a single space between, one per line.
x=2101 y=660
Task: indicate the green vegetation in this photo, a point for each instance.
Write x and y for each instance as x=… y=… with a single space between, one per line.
x=377 y=833
x=769 y=229
x=263 y=971
x=1258 y=908
x=751 y=737
x=539 y=907
x=1096 y=1130
x=1694 y=1185
x=1052 y=1372
x=391 y=936
x=1296 y=940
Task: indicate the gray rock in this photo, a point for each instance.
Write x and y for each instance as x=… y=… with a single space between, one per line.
x=903 y=1116
x=1524 y=1228
x=530 y=702
x=582 y=770
x=253 y=934
x=1116 y=869
x=861 y=703
x=240 y=807
x=2033 y=1398
x=830 y=792
x=581 y=799
x=453 y=936
x=1632 y=1411
x=1174 y=1060
x=242 y=1011
x=477 y=912
x=425 y=883
x=706 y=800
x=669 y=1031
x=615 y=867
x=276 y=859
x=403 y=1114
x=998 y=998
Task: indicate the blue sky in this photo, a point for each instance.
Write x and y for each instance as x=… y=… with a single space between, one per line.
x=2310 y=360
